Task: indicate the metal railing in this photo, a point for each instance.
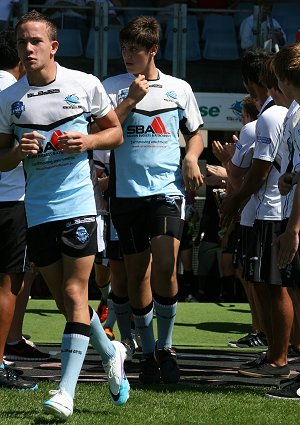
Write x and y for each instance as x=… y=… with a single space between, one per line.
x=101 y=27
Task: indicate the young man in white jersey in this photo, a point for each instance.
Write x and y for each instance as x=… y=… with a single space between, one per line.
x=146 y=190
x=287 y=70
x=13 y=259
x=44 y=121
x=262 y=182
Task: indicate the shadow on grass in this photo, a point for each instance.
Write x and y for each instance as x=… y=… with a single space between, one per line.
x=237 y=310
x=220 y=387
x=42 y=311
x=218 y=327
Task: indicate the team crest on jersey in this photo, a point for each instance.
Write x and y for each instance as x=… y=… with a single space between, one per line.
x=72 y=101
x=123 y=94
x=172 y=95
x=82 y=234
x=17 y=108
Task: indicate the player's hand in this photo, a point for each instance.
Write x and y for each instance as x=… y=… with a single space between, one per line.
x=285 y=183
x=191 y=174
x=30 y=144
x=287 y=243
x=222 y=152
x=138 y=88
x=73 y=142
x=216 y=175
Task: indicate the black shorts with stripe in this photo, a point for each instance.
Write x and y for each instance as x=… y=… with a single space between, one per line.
x=261 y=263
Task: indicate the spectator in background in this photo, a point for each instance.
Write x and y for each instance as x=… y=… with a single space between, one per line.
x=270 y=30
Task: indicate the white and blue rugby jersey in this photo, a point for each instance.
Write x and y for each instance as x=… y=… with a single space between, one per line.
x=58 y=185
x=148 y=162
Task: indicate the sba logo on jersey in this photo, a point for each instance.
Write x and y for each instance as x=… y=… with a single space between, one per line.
x=52 y=145
x=156 y=127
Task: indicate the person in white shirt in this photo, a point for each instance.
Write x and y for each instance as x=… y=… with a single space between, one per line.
x=270 y=29
x=261 y=183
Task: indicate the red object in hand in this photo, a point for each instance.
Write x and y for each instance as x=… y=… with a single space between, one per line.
x=298 y=35
x=54 y=139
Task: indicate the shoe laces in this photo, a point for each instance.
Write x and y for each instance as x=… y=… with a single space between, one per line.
x=57 y=391
x=54 y=392
x=110 y=367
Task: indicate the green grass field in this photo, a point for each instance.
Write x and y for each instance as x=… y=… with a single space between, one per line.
x=198 y=326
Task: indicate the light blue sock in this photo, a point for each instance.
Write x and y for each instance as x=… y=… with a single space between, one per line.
x=123 y=314
x=2 y=366
x=75 y=342
x=111 y=316
x=144 y=325
x=165 y=316
x=99 y=340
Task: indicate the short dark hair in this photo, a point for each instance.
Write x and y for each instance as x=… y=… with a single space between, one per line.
x=9 y=58
x=268 y=76
x=287 y=63
x=143 y=31
x=252 y=63
x=35 y=16
x=250 y=107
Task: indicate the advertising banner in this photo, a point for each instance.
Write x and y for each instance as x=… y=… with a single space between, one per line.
x=221 y=111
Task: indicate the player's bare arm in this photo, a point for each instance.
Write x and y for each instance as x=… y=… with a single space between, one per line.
x=191 y=173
